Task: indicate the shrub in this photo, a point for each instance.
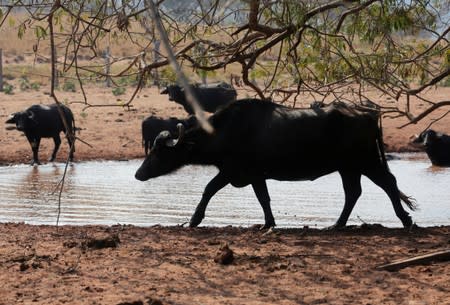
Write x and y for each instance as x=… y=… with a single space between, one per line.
x=35 y=86
x=8 y=88
x=69 y=86
x=24 y=84
x=168 y=75
x=127 y=80
x=118 y=91
x=446 y=82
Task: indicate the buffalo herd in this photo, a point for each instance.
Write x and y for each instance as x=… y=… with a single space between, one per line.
x=253 y=141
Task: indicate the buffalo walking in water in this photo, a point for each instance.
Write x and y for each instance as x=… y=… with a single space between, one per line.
x=255 y=140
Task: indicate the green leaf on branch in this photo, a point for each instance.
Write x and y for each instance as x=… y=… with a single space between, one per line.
x=40 y=32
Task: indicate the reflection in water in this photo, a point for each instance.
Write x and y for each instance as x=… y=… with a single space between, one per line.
x=433 y=169
x=107 y=193
x=30 y=192
x=37 y=181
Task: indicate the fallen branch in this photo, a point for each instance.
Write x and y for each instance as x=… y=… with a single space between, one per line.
x=443 y=255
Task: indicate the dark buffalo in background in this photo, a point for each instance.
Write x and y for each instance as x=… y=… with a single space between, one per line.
x=41 y=121
x=153 y=125
x=256 y=140
x=362 y=105
x=317 y=105
x=437 y=146
x=211 y=97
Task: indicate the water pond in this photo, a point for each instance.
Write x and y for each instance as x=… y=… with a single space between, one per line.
x=107 y=193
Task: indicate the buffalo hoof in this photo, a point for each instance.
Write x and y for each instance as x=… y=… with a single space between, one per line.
x=195 y=221
x=268 y=226
x=193 y=224
x=407 y=222
x=412 y=227
x=35 y=162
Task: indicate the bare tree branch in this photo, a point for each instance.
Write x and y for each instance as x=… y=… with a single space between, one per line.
x=426 y=112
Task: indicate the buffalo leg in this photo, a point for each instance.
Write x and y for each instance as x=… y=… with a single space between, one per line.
x=146 y=146
x=352 y=190
x=217 y=183
x=388 y=183
x=71 y=142
x=260 y=189
x=35 y=148
x=57 y=141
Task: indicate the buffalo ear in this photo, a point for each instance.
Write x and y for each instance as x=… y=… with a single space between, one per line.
x=30 y=115
x=165 y=91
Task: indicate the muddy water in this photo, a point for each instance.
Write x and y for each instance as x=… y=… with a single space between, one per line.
x=107 y=193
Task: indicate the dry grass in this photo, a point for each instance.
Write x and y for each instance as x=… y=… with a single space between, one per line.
x=20 y=61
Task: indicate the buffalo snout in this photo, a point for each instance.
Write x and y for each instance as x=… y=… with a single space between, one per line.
x=140 y=175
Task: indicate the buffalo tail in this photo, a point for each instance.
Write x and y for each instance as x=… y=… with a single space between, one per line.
x=408 y=200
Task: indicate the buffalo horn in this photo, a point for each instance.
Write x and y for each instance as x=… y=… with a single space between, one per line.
x=174 y=142
x=162 y=136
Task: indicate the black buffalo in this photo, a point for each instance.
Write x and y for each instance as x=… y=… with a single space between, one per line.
x=210 y=97
x=362 y=105
x=153 y=125
x=40 y=121
x=255 y=140
x=437 y=146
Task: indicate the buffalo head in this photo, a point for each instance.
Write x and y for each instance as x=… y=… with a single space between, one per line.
x=166 y=155
x=23 y=120
x=175 y=92
x=425 y=138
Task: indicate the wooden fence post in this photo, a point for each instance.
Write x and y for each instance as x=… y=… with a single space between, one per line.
x=107 y=67
x=1 y=70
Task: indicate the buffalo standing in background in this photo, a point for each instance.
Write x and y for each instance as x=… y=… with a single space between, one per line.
x=256 y=140
x=437 y=146
x=152 y=126
x=210 y=97
x=41 y=121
